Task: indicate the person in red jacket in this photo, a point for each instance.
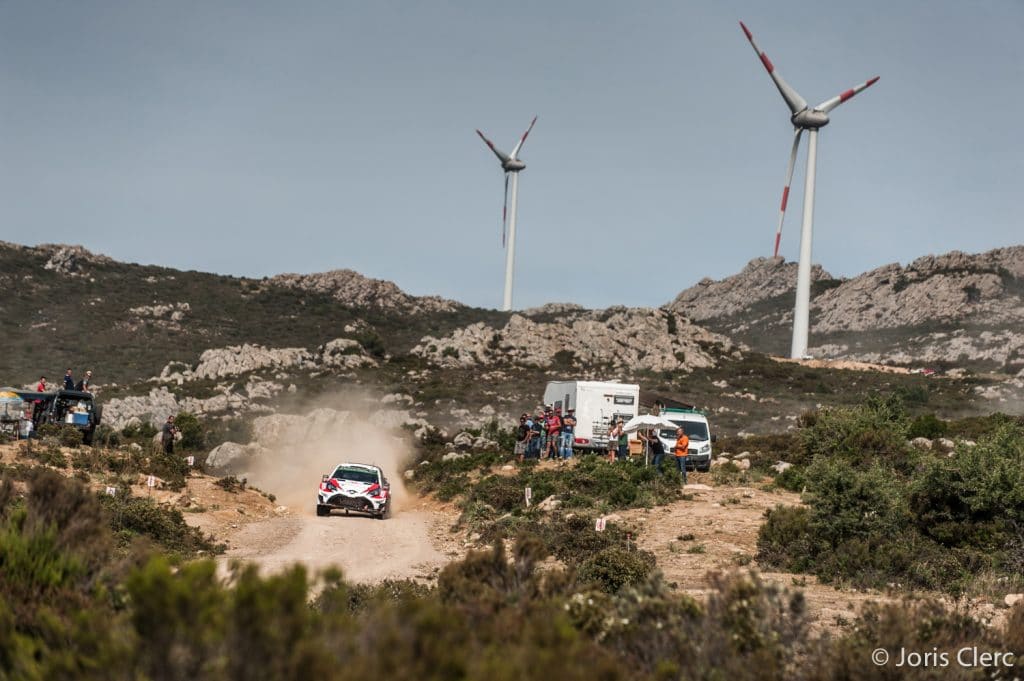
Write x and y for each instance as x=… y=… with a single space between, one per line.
x=553 y=421
x=682 y=450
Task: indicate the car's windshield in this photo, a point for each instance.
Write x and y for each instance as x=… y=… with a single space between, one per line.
x=695 y=430
x=355 y=475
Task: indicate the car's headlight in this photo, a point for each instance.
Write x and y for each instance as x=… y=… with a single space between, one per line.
x=706 y=449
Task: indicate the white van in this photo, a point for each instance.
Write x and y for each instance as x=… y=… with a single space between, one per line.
x=597 y=405
x=695 y=424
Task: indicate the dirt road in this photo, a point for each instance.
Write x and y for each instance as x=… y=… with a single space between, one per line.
x=407 y=545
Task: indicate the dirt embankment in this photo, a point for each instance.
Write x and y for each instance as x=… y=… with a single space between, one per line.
x=717 y=530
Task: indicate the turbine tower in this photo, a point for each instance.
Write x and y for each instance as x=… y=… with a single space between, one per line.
x=512 y=166
x=810 y=119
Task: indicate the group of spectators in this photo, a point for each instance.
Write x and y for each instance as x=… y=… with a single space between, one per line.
x=83 y=386
x=550 y=435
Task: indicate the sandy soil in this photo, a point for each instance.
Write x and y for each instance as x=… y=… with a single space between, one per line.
x=414 y=542
x=724 y=522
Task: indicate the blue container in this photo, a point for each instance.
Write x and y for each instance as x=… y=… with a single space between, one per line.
x=80 y=419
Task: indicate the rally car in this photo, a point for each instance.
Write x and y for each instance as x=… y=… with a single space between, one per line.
x=356 y=487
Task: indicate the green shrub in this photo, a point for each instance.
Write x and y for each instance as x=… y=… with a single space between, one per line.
x=70 y=437
x=132 y=517
x=927 y=425
x=193 y=434
x=231 y=484
x=615 y=567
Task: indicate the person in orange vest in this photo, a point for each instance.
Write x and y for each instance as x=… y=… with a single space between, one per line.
x=682 y=451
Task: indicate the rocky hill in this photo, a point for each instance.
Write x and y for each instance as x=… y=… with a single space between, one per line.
x=161 y=341
x=952 y=309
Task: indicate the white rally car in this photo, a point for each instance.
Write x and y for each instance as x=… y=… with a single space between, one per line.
x=355 y=487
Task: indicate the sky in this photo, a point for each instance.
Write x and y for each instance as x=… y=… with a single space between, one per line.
x=255 y=138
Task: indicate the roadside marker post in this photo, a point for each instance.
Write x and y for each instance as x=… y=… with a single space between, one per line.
x=599 y=524
x=111 y=491
x=529 y=496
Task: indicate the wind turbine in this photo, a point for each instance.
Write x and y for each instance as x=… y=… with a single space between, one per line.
x=811 y=120
x=511 y=164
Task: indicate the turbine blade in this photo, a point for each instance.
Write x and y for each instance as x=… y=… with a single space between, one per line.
x=502 y=156
x=793 y=99
x=830 y=104
x=785 y=190
x=504 y=213
x=515 y=152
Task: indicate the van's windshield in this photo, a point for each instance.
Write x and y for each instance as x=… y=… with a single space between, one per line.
x=695 y=430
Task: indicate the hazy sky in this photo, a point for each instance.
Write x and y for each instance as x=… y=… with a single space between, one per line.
x=255 y=138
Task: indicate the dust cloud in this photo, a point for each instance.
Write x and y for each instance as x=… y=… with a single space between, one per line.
x=340 y=429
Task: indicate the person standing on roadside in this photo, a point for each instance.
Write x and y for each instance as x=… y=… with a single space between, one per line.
x=167 y=438
x=568 y=434
x=553 y=421
x=682 y=451
x=536 y=438
x=614 y=430
x=522 y=435
x=69 y=380
x=623 y=451
x=656 y=448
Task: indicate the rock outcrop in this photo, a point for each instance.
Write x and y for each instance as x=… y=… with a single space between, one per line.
x=761 y=279
x=951 y=308
x=237 y=360
x=625 y=338
x=358 y=291
x=954 y=287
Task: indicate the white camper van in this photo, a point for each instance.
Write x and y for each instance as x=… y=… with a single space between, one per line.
x=597 y=405
x=695 y=424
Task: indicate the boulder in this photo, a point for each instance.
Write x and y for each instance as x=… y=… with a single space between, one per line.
x=454 y=456
x=463 y=441
x=720 y=461
x=921 y=443
x=409 y=474
x=781 y=466
x=549 y=504
x=743 y=464
x=1013 y=599
x=742 y=455
x=231 y=457
x=945 y=443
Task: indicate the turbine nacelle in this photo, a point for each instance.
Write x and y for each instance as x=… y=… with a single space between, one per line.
x=513 y=165
x=809 y=119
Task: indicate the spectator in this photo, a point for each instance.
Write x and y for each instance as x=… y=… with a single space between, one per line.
x=614 y=430
x=623 y=451
x=37 y=405
x=682 y=451
x=553 y=423
x=536 y=440
x=522 y=435
x=69 y=381
x=85 y=384
x=568 y=433
x=168 y=435
x=656 y=448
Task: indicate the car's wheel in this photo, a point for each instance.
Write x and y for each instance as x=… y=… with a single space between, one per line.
x=87 y=436
x=323 y=510
x=705 y=468
x=385 y=512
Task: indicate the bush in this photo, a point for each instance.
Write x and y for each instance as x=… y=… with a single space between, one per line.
x=921 y=520
x=193 y=434
x=614 y=568
x=132 y=517
x=70 y=437
x=231 y=484
x=927 y=425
